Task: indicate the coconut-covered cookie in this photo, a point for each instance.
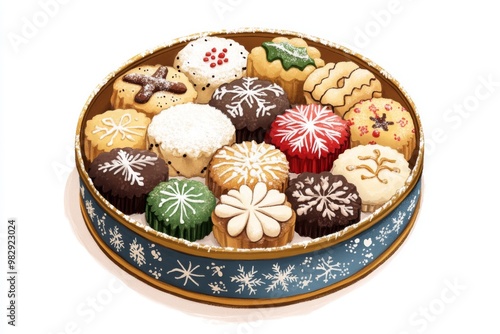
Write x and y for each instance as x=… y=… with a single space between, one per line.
x=186 y=136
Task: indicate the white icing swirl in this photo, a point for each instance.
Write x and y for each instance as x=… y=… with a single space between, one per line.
x=258 y=211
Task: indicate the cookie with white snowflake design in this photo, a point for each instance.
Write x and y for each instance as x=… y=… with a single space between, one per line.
x=377 y=171
x=382 y=121
x=253 y=218
x=247 y=163
x=324 y=203
x=181 y=209
x=114 y=129
x=209 y=62
x=251 y=104
x=311 y=136
x=125 y=176
x=151 y=88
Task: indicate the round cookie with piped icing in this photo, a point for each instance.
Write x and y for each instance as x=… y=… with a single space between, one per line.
x=209 y=62
x=251 y=104
x=114 y=129
x=247 y=163
x=287 y=62
x=150 y=89
x=125 y=176
x=253 y=218
x=382 y=121
x=187 y=135
x=181 y=209
x=377 y=171
x=324 y=203
x=341 y=85
x=311 y=136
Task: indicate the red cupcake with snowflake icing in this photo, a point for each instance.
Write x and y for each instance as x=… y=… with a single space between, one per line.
x=311 y=136
x=382 y=121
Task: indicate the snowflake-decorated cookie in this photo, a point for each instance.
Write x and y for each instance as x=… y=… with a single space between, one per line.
x=377 y=171
x=253 y=218
x=251 y=104
x=311 y=136
x=124 y=176
x=181 y=208
x=382 y=121
x=209 y=62
x=324 y=203
x=114 y=129
x=247 y=163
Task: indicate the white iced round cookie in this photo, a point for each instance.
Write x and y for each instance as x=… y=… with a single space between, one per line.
x=186 y=136
x=209 y=62
x=377 y=171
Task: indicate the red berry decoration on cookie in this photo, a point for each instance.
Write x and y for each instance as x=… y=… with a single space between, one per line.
x=215 y=58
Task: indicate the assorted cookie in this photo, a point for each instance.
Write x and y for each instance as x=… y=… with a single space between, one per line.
x=251 y=104
x=253 y=146
x=186 y=136
x=151 y=89
x=311 y=136
x=209 y=62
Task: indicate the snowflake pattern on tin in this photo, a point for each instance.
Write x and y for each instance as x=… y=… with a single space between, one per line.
x=116 y=239
x=137 y=253
x=247 y=280
x=280 y=278
x=244 y=279
x=186 y=273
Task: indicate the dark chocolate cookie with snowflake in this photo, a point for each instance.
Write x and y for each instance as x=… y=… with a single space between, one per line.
x=324 y=203
x=251 y=104
x=125 y=176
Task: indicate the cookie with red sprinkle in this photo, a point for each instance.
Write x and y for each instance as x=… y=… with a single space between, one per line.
x=209 y=62
x=382 y=121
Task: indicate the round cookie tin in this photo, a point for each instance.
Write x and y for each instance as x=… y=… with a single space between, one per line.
x=257 y=277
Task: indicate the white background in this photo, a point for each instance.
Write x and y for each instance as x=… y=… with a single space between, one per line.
x=55 y=52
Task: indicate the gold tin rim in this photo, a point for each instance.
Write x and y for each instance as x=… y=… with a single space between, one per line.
x=199 y=249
